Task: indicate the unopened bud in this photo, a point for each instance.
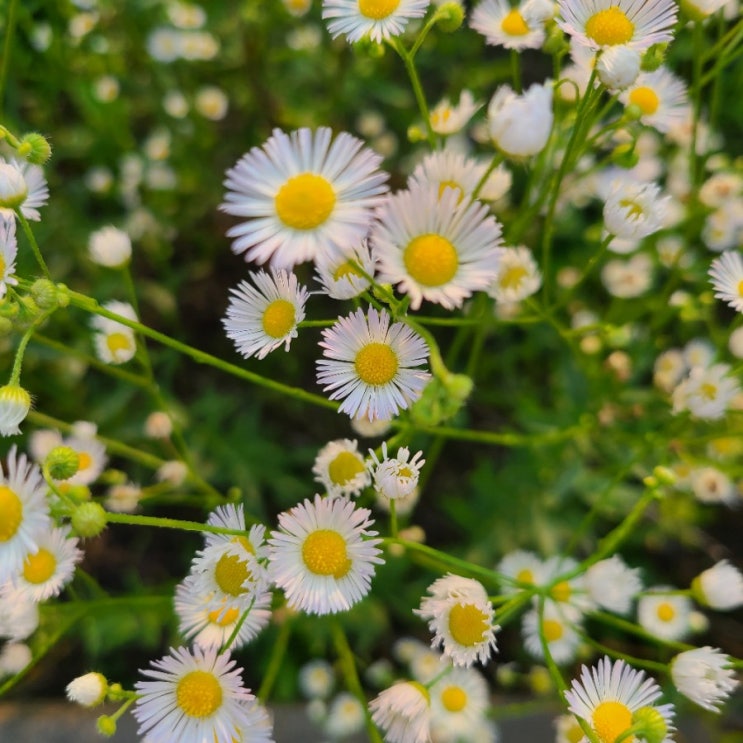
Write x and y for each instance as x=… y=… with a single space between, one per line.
x=88 y=519
x=450 y=16
x=106 y=726
x=44 y=293
x=88 y=690
x=654 y=57
x=35 y=148
x=62 y=462
x=650 y=724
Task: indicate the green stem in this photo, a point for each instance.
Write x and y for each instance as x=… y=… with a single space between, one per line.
x=516 y=70
x=10 y=25
x=409 y=62
x=278 y=652
x=34 y=245
x=393 y=518
x=15 y=374
x=167 y=523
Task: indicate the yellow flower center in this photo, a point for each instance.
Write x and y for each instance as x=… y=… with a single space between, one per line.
x=345 y=467
x=525 y=576
x=40 y=567
x=633 y=208
x=514 y=24
x=454 y=698
x=278 y=318
x=512 y=276
x=740 y=288
x=552 y=630
x=199 y=694
x=665 y=612
x=468 y=624
x=230 y=573
x=609 y=27
x=346 y=269
x=11 y=513
x=377 y=9
x=561 y=592
x=451 y=184
x=431 y=260
x=708 y=390
x=118 y=342
x=646 y=98
x=84 y=460
x=376 y=364
x=440 y=117
x=223 y=617
x=305 y=201
x=324 y=553
x=610 y=720
x=244 y=542
x=2 y=266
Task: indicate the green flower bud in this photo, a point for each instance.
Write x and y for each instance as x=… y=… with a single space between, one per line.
x=441 y=399
x=35 y=148
x=664 y=476
x=62 y=462
x=450 y=16
x=624 y=156
x=44 y=293
x=6 y=327
x=63 y=295
x=654 y=57
x=416 y=134
x=633 y=112
x=650 y=725
x=89 y=519
x=106 y=726
x=555 y=42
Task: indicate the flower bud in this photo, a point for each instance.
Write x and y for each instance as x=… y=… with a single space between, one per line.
x=654 y=57
x=44 y=293
x=13 y=188
x=88 y=690
x=15 y=403
x=35 y=148
x=88 y=519
x=618 y=67
x=6 y=327
x=62 y=462
x=650 y=725
x=106 y=726
x=450 y=16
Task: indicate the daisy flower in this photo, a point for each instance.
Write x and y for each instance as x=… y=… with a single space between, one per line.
x=706 y=392
x=461 y=617
x=115 y=343
x=88 y=690
x=193 y=696
x=396 y=477
x=263 y=317
x=520 y=125
x=448 y=119
x=459 y=702
x=705 y=676
x=727 y=279
x=110 y=247
x=8 y=252
x=612 y=585
x=370 y=365
x=209 y=627
x=346 y=716
x=316 y=679
x=665 y=615
x=403 y=712
x=377 y=19
x=341 y=468
x=709 y=485
x=634 y=210
x=502 y=25
x=628 y=279
x=598 y=24
x=302 y=195
x=339 y=273
x=661 y=97
x=569 y=596
x=520 y=566
x=24 y=513
x=15 y=403
x=46 y=571
x=451 y=168
x=560 y=635
x=440 y=248
x=22 y=186
x=719 y=587
x=518 y=276
x=322 y=556
x=91 y=453
x=231 y=516
x=608 y=695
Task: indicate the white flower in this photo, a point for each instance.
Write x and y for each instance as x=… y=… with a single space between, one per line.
x=506 y=26
x=123 y=497
x=91 y=453
x=669 y=369
x=520 y=566
x=567 y=730
x=448 y=119
x=665 y=615
x=341 y=274
x=706 y=392
x=341 y=469
x=47 y=570
x=598 y=24
x=260 y=319
x=699 y=352
x=628 y=278
x=704 y=675
x=520 y=125
x=19 y=617
x=396 y=477
x=211 y=102
x=560 y=635
x=22 y=186
x=440 y=248
x=720 y=188
x=302 y=195
x=612 y=585
x=24 y=513
x=88 y=690
x=14 y=657
x=322 y=556
x=518 y=276
x=634 y=210
x=460 y=616
x=709 y=485
x=661 y=97
x=115 y=342
x=377 y=19
x=193 y=697
x=346 y=716
x=448 y=167
x=727 y=279
x=110 y=247
x=618 y=67
x=459 y=703
x=720 y=587
x=403 y=712
x=231 y=516
x=370 y=364
x=608 y=695
x=8 y=252
x=316 y=679
x=15 y=403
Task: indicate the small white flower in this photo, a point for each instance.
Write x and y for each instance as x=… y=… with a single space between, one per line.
x=720 y=587
x=627 y=279
x=664 y=615
x=211 y=102
x=110 y=247
x=346 y=716
x=661 y=97
x=342 y=274
x=396 y=477
x=19 y=617
x=14 y=657
x=459 y=703
x=378 y=19
x=520 y=566
x=613 y=585
x=403 y=712
x=88 y=690
x=618 y=67
x=709 y=485
x=123 y=497
x=506 y=26
x=448 y=119
x=15 y=403
x=727 y=279
x=706 y=392
x=520 y=125
x=518 y=276
x=22 y=186
x=115 y=343
x=634 y=210
x=316 y=679
x=704 y=675
x=560 y=634
x=341 y=469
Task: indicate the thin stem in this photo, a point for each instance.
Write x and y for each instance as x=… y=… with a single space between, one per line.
x=34 y=245
x=393 y=518
x=278 y=652
x=10 y=25
x=167 y=523
x=516 y=70
x=15 y=374
x=409 y=63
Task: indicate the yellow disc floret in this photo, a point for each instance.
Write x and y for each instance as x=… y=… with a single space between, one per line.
x=230 y=573
x=39 y=567
x=324 y=553
x=454 y=698
x=118 y=342
x=646 y=99
x=199 y=694
x=224 y=617
x=84 y=460
x=376 y=364
x=561 y=592
x=468 y=624
x=377 y=9
x=346 y=269
x=552 y=630
x=11 y=513
x=431 y=260
x=525 y=576
x=345 y=467
x=666 y=612
x=610 y=27
x=514 y=24
x=610 y=720
x=443 y=185
x=305 y=201
x=278 y=318
x=511 y=278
